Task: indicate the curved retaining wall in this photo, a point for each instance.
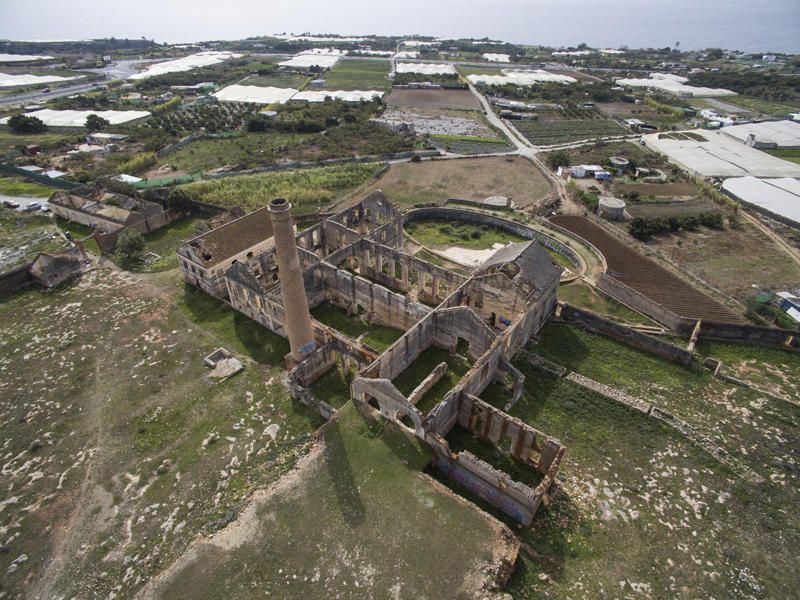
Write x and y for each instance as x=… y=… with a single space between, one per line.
x=471 y=216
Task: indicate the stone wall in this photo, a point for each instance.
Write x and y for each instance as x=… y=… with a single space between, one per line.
x=481 y=218
x=630 y=297
x=626 y=335
x=11 y=281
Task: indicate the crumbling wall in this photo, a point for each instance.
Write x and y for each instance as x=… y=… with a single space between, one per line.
x=750 y=334
x=360 y=296
x=626 y=335
x=630 y=297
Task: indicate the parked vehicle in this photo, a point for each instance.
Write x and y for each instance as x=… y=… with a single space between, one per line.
x=32 y=207
x=10 y=204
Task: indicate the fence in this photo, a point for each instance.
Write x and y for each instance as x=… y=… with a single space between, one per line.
x=43 y=179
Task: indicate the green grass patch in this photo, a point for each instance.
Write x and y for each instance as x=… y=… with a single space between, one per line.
x=469 y=138
x=164 y=242
x=18 y=186
x=278 y=79
x=356 y=74
x=444 y=234
x=767 y=107
x=378 y=337
x=791 y=154
x=234 y=330
x=580 y=295
x=247 y=150
x=309 y=190
x=346 y=501
x=425 y=363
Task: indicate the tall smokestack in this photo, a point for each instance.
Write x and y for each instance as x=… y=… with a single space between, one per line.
x=293 y=291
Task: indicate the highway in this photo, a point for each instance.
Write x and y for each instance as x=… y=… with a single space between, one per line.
x=121 y=69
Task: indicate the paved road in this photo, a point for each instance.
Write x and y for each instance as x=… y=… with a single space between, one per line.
x=121 y=69
x=23 y=201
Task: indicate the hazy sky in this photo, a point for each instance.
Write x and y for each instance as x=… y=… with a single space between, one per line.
x=748 y=25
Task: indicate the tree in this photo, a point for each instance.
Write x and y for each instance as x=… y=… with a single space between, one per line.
x=130 y=244
x=25 y=124
x=559 y=158
x=179 y=200
x=95 y=123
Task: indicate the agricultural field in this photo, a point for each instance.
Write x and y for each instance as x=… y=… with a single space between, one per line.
x=48 y=140
x=658 y=190
x=19 y=186
x=433 y=182
x=766 y=107
x=222 y=117
x=452 y=99
x=277 y=79
x=732 y=260
x=666 y=209
x=357 y=74
x=646 y=276
x=643 y=112
x=225 y=153
x=562 y=128
x=309 y=190
x=642 y=510
x=598 y=154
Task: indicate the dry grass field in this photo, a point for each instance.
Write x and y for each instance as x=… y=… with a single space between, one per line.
x=457 y=99
x=474 y=178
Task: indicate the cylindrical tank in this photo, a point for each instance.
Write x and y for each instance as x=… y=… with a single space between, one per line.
x=297 y=321
x=611 y=208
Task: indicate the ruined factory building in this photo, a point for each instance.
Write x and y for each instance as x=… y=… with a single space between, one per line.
x=354 y=261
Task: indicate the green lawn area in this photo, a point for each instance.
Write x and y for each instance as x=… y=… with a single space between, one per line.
x=309 y=190
x=18 y=186
x=356 y=74
x=164 y=242
x=279 y=79
x=79 y=232
x=357 y=521
x=764 y=106
x=249 y=149
x=637 y=497
x=580 y=295
x=792 y=154
x=233 y=330
x=378 y=337
x=444 y=234
x=15 y=141
x=481 y=70
x=425 y=363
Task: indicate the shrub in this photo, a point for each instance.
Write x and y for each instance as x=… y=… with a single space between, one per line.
x=130 y=244
x=25 y=124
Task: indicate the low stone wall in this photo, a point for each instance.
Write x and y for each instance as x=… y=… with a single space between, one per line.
x=750 y=334
x=12 y=281
x=630 y=297
x=626 y=335
x=180 y=143
x=614 y=394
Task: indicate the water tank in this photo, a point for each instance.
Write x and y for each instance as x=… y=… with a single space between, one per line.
x=611 y=208
x=619 y=163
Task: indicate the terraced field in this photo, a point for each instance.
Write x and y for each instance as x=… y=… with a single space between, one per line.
x=564 y=130
x=647 y=276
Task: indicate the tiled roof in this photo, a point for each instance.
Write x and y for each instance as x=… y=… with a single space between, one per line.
x=232 y=238
x=535 y=269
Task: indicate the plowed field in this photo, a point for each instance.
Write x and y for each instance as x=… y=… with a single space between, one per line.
x=647 y=276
